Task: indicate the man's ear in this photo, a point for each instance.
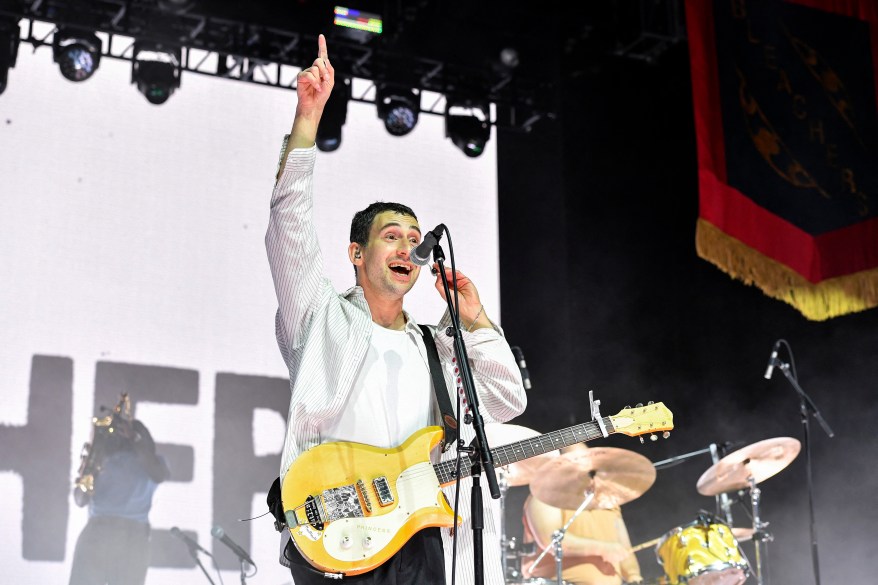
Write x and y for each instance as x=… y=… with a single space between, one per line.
x=355 y=253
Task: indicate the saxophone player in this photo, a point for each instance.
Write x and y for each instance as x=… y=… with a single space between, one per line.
x=120 y=473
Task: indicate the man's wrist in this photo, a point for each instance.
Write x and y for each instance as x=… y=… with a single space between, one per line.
x=304 y=132
x=479 y=321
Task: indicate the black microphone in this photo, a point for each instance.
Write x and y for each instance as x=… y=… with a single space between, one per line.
x=522 y=365
x=422 y=253
x=191 y=543
x=772 y=361
x=221 y=535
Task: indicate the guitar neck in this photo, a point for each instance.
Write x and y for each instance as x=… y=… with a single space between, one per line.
x=506 y=454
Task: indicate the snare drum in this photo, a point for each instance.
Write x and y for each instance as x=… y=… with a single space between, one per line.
x=702 y=553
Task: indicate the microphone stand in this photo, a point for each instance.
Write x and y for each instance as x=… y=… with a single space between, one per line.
x=477 y=518
x=806 y=408
x=243 y=573
x=193 y=552
x=484 y=461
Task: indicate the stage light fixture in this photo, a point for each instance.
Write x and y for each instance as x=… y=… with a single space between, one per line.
x=156 y=70
x=398 y=107
x=335 y=115
x=9 y=39
x=77 y=53
x=468 y=131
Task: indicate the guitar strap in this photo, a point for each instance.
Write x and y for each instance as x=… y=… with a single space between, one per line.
x=449 y=421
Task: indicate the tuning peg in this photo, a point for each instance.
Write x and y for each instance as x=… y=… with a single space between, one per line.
x=639 y=405
x=641 y=439
x=650 y=403
x=653 y=437
x=627 y=407
x=666 y=434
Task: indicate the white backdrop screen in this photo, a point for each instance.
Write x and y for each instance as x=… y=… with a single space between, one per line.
x=132 y=259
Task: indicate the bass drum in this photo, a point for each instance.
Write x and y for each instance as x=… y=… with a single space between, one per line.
x=704 y=552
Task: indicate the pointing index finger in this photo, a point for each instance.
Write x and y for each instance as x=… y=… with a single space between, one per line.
x=321 y=48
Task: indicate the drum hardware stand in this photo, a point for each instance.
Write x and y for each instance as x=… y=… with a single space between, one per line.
x=722 y=500
x=723 y=503
x=558 y=539
x=759 y=535
x=806 y=408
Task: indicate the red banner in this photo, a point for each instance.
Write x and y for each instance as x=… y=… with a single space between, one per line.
x=786 y=117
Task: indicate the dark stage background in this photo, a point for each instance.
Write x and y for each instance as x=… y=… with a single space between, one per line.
x=603 y=290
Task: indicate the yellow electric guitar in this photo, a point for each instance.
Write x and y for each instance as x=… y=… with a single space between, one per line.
x=350 y=507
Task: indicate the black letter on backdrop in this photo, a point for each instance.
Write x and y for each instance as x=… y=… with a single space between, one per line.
x=238 y=473
x=40 y=452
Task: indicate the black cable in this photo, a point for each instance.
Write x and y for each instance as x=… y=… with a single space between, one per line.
x=792 y=358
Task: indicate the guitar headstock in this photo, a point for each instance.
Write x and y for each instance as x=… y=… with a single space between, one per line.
x=642 y=420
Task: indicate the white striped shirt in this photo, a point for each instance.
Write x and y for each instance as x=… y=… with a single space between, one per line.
x=324 y=336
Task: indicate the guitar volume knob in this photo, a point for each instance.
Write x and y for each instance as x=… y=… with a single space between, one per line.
x=345 y=542
x=367 y=542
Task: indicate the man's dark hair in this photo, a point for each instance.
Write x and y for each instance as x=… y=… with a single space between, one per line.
x=362 y=221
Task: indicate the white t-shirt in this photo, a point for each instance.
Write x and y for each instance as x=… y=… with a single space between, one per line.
x=392 y=396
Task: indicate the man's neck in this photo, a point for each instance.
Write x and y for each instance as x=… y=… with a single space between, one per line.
x=387 y=313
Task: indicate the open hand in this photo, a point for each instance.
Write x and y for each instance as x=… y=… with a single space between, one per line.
x=468 y=296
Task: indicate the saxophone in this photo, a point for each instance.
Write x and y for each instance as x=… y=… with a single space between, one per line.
x=93 y=452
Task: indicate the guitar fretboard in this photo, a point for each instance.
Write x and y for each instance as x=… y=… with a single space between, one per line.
x=506 y=454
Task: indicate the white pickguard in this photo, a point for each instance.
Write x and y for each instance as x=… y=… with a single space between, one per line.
x=349 y=539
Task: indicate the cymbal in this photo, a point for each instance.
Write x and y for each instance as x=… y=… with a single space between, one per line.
x=617 y=476
x=520 y=472
x=760 y=461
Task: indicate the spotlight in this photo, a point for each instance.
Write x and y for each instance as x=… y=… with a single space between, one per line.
x=78 y=54
x=509 y=57
x=398 y=107
x=467 y=131
x=156 y=70
x=9 y=35
x=335 y=114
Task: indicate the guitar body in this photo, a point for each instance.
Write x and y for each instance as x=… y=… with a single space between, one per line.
x=350 y=507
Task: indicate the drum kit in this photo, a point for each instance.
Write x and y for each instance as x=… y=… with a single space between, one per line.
x=705 y=551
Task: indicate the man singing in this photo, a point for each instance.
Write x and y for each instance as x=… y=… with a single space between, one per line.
x=358 y=363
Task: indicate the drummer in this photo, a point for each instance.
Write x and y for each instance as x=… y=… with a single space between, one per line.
x=596 y=547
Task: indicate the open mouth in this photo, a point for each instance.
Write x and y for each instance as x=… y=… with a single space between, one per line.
x=401 y=269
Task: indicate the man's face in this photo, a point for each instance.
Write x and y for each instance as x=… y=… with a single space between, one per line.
x=385 y=267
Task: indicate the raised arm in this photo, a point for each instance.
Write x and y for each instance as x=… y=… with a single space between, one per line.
x=291 y=240
x=313 y=86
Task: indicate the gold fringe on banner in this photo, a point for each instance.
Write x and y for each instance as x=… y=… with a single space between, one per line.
x=832 y=297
